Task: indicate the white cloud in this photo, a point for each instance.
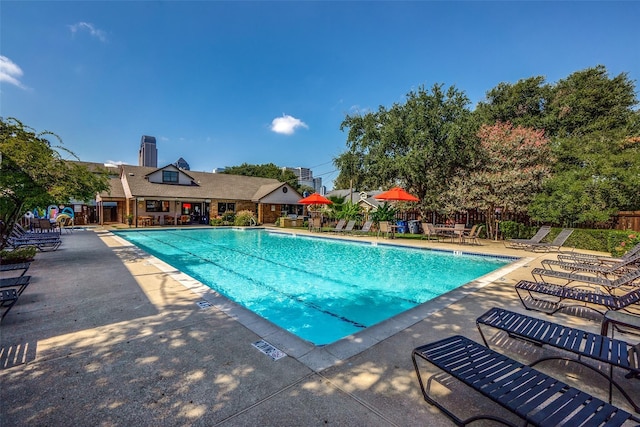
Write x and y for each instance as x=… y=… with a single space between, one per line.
x=114 y=163
x=93 y=31
x=287 y=124
x=10 y=72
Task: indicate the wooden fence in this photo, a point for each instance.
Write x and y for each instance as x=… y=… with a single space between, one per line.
x=628 y=220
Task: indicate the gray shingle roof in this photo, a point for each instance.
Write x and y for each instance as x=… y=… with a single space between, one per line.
x=206 y=185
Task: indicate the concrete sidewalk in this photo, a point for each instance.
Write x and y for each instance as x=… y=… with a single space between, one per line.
x=106 y=336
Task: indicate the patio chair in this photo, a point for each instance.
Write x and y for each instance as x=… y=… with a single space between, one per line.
x=20 y=232
x=349 y=227
x=615 y=269
x=366 y=228
x=428 y=231
x=625 y=279
x=8 y=297
x=555 y=245
x=384 y=228
x=339 y=226
x=525 y=243
x=473 y=235
x=24 y=266
x=457 y=233
x=315 y=224
x=49 y=244
x=615 y=353
x=535 y=397
x=597 y=259
x=20 y=283
x=529 y=293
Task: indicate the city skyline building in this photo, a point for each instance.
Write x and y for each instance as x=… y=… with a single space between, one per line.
x=305 y=177
x=148 y=154
x=182 y=164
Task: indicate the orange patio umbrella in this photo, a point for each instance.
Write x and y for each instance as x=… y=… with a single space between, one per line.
x=315 y=199
x=397 y=194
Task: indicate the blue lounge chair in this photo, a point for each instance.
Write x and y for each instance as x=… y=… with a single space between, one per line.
x=529 y=296
x=614 y=353
x=8 y=297
x=537 y=398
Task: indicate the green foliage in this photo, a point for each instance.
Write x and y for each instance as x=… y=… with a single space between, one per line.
x=268 y=170
x=216 y=222
x=511 y=165
x=385 y=212
x=429 y=145
x=621 y=241
x=516 y=230
x=33 y=173
x=15 y=256
x=350 y=211
x=228 y=217
x=244 y=218
x=598 y=175
x=418 y=144
x=523 y=103
x=334 y=210
x=615 y=242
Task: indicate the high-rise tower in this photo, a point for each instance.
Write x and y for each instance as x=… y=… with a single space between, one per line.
x=148 y=154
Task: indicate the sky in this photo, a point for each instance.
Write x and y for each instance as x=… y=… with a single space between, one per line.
x=225 y=83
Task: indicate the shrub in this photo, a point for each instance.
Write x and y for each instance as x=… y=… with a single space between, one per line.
x=244 y=218
x=18 y=255
x=516 y=230
x=616 y=242
x=228 y=217
x=622 y=241
x=216 y=222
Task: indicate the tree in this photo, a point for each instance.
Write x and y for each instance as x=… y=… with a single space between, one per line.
x=416 y=145
x=33 y=173
x=509 y=171
x=589 y=101
x=522 y=104
x=267 y=170
x=599 y=176
x=595 y=130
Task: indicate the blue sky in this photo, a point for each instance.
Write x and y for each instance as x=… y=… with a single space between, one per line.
x=224 y=83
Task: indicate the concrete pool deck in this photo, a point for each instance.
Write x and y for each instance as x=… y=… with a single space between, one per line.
x=107 y=335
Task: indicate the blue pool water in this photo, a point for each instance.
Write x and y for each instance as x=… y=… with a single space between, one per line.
x=319 y=289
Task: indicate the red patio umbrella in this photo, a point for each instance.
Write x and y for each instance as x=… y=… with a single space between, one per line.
x=315 y=199
x=397 y=194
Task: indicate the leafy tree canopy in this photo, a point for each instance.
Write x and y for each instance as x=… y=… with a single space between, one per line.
x=33 y=173
x=416 y=144
x=267 y=170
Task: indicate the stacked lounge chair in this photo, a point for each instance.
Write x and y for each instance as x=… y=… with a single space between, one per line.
x=616 y=268
x=12 y=287
x=43 y=241
x=597 y=259
x=581 y=344
x=537 y=398
x=526 y=243
x=339 y=226
x=532 y=294
x=629 y=278
x=555 y=245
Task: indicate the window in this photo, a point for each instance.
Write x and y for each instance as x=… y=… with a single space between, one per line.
x=170 y=177
x=224 y=207
x=157 y=206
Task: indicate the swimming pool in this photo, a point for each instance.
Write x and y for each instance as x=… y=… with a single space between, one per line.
x=317 y=288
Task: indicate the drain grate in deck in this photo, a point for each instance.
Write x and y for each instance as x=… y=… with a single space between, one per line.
x=204 y=304
x=269 y=350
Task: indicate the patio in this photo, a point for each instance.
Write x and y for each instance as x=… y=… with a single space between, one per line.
x=105 y=335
